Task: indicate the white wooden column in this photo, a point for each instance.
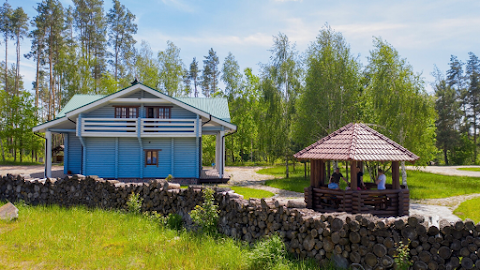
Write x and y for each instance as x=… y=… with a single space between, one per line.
x=48 y=158
x=220 y=153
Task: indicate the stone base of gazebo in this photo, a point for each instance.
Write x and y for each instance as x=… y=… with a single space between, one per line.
x=381 y=203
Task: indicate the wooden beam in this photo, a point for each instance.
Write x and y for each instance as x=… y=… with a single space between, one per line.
x=353 y=175
x=313 y=171
x=321 y=178
x=395 y=175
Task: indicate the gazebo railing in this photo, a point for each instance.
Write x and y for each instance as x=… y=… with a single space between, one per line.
x=383 y=203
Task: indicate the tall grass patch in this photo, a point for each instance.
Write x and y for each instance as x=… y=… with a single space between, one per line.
x=78 y=238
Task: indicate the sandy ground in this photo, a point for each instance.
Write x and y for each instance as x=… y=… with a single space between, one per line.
x=247 y=176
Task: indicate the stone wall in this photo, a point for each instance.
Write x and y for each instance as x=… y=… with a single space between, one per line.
x=346 y=239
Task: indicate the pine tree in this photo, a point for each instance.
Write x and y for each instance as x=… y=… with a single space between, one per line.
x=92 y=29
x=37 y=51
x=6 y=13
x=121 y=28
x=193 y=75
x=19 y=29
x=473 y=92
x=211 y=73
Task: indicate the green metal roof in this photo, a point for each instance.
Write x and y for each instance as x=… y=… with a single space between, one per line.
x=78 y=101
x=217 y=107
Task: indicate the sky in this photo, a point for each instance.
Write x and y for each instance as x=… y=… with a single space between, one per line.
x=425 y=33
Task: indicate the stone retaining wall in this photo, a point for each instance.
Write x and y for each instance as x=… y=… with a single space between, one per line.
x=343 y=238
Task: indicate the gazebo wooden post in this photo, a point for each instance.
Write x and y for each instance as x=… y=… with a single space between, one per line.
x=395 y=175
x=321 y=169
x=313 y=172
x=353 y=175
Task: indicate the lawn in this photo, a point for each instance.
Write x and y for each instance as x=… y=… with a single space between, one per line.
x=252 y=192
x=422 y=185
x=77 y=238
x=469 y=209
x=472 y=169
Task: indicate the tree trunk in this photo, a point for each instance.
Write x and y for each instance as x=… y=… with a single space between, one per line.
x=6 y=62
x=17 y=69
x=404 y=175
x=50 y=98
x=37 y=79
x=445 y=157
x=3 y=150
x=287 y=172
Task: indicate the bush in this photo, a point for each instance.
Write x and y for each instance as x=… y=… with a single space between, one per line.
x=402 y=257
x=174 y=222
x=169 y=178
x=134 y=203
x=206 y=215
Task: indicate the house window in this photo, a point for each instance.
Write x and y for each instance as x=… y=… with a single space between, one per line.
x=126 y=112
x=159 y=112
x=151 y=157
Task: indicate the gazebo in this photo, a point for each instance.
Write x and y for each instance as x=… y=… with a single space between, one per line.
x=356 y=143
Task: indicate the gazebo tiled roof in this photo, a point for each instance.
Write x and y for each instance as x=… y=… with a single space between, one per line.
x=357 y=142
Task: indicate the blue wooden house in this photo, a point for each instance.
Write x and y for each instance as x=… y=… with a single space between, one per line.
x=139 y=133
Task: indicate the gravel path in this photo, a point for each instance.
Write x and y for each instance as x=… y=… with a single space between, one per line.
x=32 y=171
x=447 y=170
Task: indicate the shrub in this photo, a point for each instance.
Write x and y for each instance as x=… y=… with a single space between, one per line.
x=206 y=215
x=169 y=178
x=134 y=203
x=402 y=257
x=174 y=222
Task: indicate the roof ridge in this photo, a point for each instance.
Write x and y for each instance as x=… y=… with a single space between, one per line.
x=353 y=143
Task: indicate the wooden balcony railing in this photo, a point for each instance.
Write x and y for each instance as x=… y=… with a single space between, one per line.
x=134 y=127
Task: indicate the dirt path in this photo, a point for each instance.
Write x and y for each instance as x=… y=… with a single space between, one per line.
x=447 y=170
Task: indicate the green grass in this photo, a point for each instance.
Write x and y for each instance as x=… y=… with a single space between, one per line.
x=422 y=185
x=77 y=238
x=469 y=209
x=252 y=192
x=472 y=169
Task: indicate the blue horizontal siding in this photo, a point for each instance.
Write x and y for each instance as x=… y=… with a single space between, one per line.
x=74 y=152
x=164 y=157
x=100 y=157
x=184 y=157
x=128 y=158
x=106 y=111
